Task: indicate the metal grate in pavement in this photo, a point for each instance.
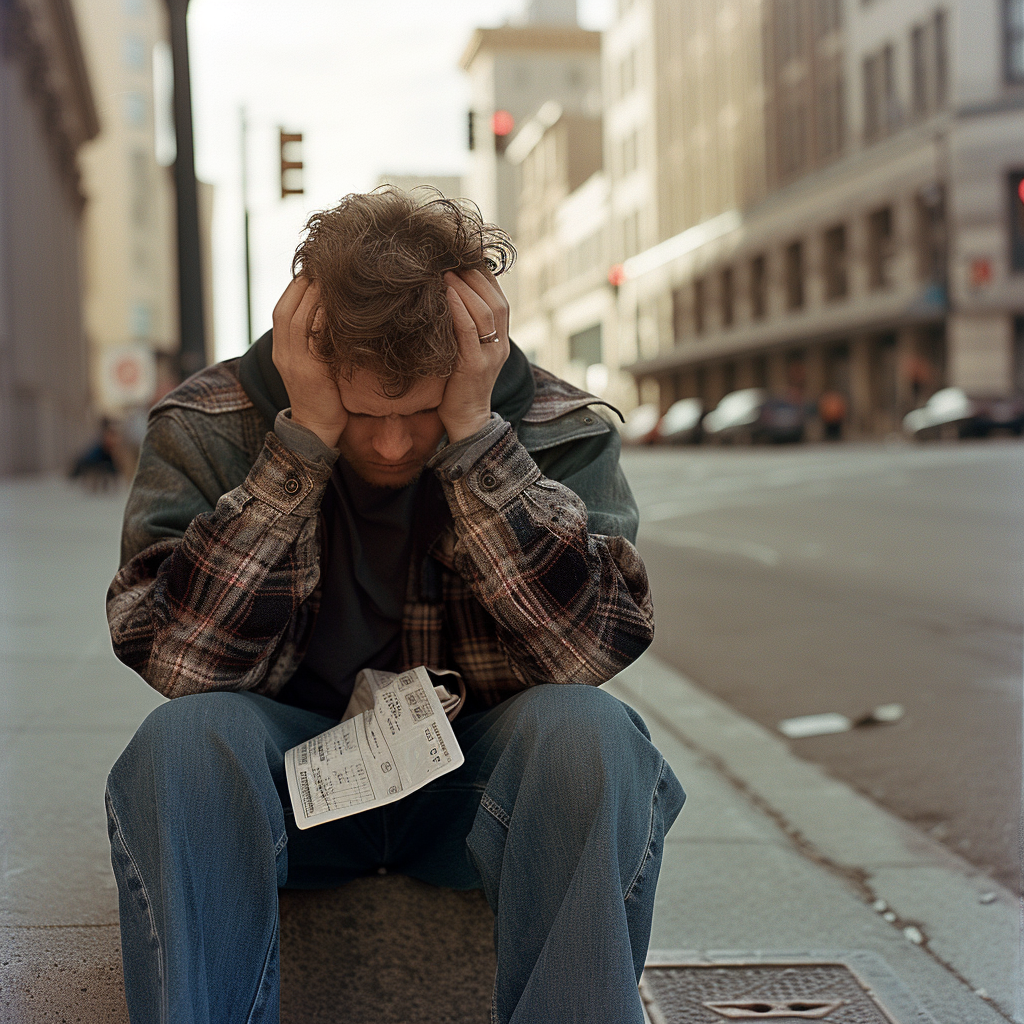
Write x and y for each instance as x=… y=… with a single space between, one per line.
x=711 y=993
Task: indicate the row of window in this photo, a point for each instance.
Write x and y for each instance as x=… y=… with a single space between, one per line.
x=694 y=305
x=929 y=78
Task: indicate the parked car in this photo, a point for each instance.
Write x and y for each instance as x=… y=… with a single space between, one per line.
x=946 y=414
x=751 y=415
x=681 y=423
x=641 y=424
x=995 y=415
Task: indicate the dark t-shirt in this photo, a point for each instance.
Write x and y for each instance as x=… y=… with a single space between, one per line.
x=368 y=537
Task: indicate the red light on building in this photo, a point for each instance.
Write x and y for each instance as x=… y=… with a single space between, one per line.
x=981 y=272
x=616 y=275
x=502 y=123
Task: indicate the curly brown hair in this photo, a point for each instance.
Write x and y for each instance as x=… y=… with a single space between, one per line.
x=379 y=260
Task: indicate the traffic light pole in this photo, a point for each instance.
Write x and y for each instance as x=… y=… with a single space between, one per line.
x=192 y=351
x=245 y=211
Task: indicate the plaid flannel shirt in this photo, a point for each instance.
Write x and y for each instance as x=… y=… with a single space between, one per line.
x=531 y=581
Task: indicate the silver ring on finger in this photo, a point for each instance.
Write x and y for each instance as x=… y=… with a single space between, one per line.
x=488 y=339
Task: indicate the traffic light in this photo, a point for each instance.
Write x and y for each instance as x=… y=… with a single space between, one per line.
x=502 y=123
x=291 y=167
x=470 y=132
x=1017 y=220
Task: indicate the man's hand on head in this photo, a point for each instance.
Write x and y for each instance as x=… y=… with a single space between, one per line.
x=479 y=310
x=313 y=393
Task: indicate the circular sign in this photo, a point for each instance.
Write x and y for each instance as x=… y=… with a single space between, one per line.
x=127 y=375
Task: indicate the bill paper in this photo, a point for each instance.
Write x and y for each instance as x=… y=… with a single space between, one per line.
x=399 y=743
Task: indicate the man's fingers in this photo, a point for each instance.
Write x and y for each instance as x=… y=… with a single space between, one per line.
x=480 y=311
x=303 y=312
x=466 y=329
x=291 y=298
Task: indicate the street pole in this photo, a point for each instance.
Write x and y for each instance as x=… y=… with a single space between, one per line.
x=192 y=351
x=245 y=210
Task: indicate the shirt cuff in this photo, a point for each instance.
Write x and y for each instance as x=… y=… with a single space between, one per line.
x=455 y=460
x=302 y=440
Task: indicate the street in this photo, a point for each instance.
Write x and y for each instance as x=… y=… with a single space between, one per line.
x=802 y=580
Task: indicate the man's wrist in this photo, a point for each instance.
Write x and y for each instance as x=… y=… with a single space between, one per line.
x=460 y=431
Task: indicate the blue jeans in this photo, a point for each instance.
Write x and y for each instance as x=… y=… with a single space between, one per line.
x=559 y=813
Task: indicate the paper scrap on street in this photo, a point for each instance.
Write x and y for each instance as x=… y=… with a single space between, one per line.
x=832 y=721
x=814 y=725
x=399 y=743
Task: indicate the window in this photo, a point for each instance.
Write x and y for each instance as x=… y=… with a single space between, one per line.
x=627 y=74
x=759 y=371
x=699 y=298
x=678 y=314
x=919 y=71
x=828 y=16
x=793 y=133
x=141 y=199
x=631 y=234
x=585 y=346
x=931 y=235
x=726 y=296
x=729 y=377
x=1013 y=34
x=880 y=248
x=890 y=99
x=830 y=115
x=794 y=275
x=789 y=36
x=1016 y=188
x=630 y=153
x=835 y=263
x=758 y=287
x=881 y=104
x=940 y=46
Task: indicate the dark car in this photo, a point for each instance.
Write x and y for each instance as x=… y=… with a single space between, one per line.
x=752 y=415
x=995 y=415
x=951 y=413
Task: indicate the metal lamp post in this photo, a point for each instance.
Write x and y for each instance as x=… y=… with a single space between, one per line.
x=192 y=353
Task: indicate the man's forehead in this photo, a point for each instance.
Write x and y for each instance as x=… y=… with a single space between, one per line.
x=362 y=393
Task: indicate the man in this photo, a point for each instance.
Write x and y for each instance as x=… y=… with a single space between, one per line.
x=384 y=481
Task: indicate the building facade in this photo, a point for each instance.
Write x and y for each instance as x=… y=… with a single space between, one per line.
x=130 y=235
x=47 y=113
x=810 y=197
x=868 y=249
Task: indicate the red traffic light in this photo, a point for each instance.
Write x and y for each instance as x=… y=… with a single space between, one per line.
x=616 y=275
x=502 y=123
x=1020 y=189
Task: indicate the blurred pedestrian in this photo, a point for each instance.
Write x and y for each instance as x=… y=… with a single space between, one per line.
x=832 y=413
x=97 y=467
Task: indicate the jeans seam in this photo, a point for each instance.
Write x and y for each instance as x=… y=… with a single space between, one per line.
x=164 y=1009
x=256 y=1005
x=489 y=804
x=280 y=844
x=634 y=882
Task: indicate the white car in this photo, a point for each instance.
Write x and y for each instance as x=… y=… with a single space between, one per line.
x=947 y=408
x=681 y=423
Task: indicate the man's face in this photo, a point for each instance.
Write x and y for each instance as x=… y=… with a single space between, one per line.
x=387 y=441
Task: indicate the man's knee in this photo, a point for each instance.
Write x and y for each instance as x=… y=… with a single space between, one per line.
x=177 y=738
x=585 y=720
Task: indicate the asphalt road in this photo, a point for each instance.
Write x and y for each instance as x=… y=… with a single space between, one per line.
x=792 y=581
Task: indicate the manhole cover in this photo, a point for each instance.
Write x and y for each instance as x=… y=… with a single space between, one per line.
x=790 y=992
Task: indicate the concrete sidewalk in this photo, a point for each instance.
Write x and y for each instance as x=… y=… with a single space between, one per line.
x=770 y=858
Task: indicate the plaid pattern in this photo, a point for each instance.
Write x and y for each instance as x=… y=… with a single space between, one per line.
x=219 y=583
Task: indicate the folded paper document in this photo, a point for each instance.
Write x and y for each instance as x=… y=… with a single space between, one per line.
x=395 y=738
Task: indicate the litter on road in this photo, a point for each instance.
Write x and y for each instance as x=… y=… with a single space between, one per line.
x=832 y=721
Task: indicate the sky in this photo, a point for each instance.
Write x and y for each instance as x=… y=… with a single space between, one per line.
x=374 y=87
